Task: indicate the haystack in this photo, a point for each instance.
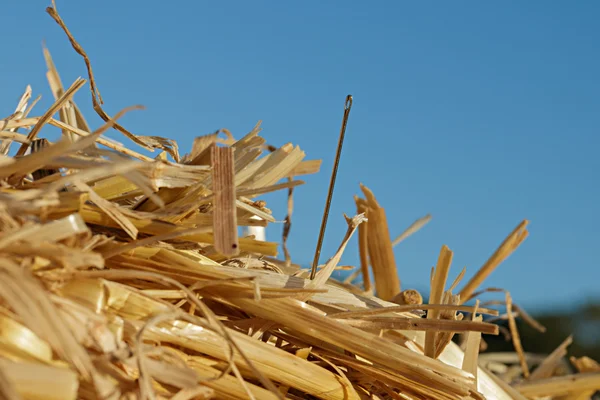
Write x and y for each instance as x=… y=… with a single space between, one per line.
x=123 y=276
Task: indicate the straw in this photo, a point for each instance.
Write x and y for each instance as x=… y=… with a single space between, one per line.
x=122 y=276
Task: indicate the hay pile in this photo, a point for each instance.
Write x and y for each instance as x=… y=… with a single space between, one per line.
x=123 y=277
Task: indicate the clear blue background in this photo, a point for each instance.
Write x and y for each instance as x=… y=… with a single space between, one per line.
x=480 y=113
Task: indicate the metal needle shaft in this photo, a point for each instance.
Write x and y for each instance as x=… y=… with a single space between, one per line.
x=347 y=107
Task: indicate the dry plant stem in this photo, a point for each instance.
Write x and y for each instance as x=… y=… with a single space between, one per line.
x=147 y=143
x=225 y=215
x=96 y=97
x=307 y=167
x=350 y=278
x=510 y=244
x=6 y=136
x=560 y=385
x=69 y=114
x=410 y=308
x=420 y=324
x=336 y=163
x=80 y=132
x=102 y=141
x=20 y=112
x=514 y=332
x=472 y=348
x=381 y=253
x=442 y=340
x=51 y=111
x=290 y=313
x=363 y=246
x=412 y=229
x=547 y=367
x=524 y=315
x=438 y=283
x=34 y=161
x=290 y=185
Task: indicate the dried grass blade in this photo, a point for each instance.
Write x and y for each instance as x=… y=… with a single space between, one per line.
x=516 y=339
x=111 y=144
x=20 y=112
x=547 y=367
x=7 y=136
x=470 y=362
x=438 y=283
x=69 y=114
x=37 y=160
x=58 y=104
x=307 y=167
x=510 y=244
x=290 y=184
x=412 y=229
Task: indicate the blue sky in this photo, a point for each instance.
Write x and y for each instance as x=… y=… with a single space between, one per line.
x=480 y=113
